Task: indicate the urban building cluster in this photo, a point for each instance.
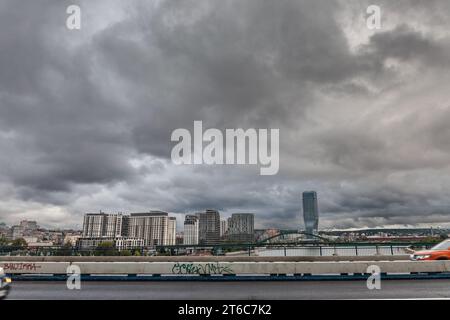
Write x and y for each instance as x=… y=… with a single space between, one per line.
x=36 y=236
x=208 y=228
x=158 y=228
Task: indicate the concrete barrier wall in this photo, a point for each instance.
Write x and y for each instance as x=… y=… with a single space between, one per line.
x=196 y=267
x=24 y=267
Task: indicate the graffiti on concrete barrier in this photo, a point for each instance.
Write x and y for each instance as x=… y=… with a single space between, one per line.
x=21 y=266
x=201 y=268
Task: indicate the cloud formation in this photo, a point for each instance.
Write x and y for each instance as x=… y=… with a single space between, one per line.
x=86 y=116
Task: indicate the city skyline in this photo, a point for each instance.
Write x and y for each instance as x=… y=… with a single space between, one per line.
x=157 y=228
x=181 y=225
x=311 y=214
x=86 y=115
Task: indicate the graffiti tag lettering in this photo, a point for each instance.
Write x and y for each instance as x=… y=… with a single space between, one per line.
x=21 y=267
x=207 y=268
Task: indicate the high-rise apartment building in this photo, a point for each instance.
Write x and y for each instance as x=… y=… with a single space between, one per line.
x=190 y=236
x=103 y=225
x=209 y=227
x=172 y=231
x=223 y=227
x=155 y=227
x=241 y=227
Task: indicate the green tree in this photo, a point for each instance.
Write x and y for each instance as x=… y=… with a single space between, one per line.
x=19 y=243
x=65 y=250
x=125 y=253
x=3 y=241
x=106 y=248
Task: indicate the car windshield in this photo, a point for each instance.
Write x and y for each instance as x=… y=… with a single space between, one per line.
x=442 y=246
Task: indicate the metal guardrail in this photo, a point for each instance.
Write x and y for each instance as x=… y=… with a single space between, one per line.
x=359 y=248
x=75 y=259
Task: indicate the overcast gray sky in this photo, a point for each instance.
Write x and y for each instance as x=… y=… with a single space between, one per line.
x=86 y=115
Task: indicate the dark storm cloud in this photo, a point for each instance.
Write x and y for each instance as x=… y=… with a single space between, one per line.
x=86 y=116
x=64 y=130
x=248 y=63
x=406 y=44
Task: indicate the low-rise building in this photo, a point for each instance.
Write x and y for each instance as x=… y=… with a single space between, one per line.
x=71 y=239
x=17 y=232
x=119 y=242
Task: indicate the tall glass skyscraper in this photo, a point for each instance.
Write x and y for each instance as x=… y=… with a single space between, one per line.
x=310 y=212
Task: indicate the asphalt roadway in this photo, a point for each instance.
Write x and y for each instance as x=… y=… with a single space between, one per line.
x=235 y=290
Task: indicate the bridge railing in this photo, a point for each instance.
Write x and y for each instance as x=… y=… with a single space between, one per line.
x=250 y=249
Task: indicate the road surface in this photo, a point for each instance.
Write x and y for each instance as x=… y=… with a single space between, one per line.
x=390 y=289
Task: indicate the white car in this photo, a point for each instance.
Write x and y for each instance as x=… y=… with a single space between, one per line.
x=5 y=284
